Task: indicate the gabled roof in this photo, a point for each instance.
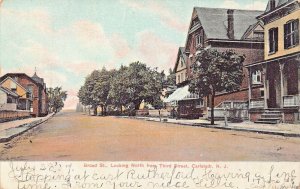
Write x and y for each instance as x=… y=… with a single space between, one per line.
x=277 y=4
x=214 y=21
x=9 y=92
x=2 y=81
x=20 y=74
x=251 y=28
x=181 y=52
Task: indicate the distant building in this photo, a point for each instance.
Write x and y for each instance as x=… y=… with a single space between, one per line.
x=25 y=99
x=36 y=90
x=279 y=72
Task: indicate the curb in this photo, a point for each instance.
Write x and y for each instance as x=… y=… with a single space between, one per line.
x=29 y=125
x=224 y=128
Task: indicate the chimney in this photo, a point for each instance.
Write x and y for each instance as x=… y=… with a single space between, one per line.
x=230 y=20
x=272 y=5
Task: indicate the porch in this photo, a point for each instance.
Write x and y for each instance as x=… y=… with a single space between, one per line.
x=279 y=82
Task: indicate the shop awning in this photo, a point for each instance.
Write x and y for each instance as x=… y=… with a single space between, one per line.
x=181 y=93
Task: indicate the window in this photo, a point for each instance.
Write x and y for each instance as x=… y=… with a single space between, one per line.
x=258 y=35
x=256 y=77
x=200 y=103
x=30 y=91
x=262 y=92
x=178 y=78
x=291 y=33
x=273 y=40
x=198 y=40
x=182 y=77
x=13 y=85
x=191 y=60
x=181 y=62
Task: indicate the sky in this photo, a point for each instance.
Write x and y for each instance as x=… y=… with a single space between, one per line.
x=65 y=40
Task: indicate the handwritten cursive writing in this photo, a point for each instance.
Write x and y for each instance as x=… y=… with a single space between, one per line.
x=53 y=175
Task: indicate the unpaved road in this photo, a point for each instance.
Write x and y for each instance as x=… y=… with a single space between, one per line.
x=74 y=136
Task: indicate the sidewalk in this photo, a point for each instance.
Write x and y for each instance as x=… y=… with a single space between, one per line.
x=282 y=129
x=11 y=129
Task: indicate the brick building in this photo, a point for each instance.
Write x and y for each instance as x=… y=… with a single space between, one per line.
x=221 y=29
x=36 y=89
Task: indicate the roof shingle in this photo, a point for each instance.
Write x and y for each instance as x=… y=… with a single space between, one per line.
x=214 y=21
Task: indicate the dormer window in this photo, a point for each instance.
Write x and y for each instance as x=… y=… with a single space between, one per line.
x=258 y=35
x=291 y=33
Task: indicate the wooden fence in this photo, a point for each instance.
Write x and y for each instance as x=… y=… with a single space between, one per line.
x=7 y=115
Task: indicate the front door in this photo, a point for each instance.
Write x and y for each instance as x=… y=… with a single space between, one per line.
x=274 y=85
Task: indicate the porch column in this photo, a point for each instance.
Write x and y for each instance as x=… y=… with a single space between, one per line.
x=249 y=85
x=266 y=90
x=298 y=66
x=281 y=67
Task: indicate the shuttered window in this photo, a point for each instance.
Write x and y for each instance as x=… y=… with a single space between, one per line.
x=273 y=40
x=291 y=33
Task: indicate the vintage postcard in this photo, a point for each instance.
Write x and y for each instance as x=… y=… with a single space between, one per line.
x=149 y=94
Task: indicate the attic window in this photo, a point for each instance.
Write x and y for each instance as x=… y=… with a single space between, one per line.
x=259 y=35
x=199 y=40
x=13 y=85
x=195 y=22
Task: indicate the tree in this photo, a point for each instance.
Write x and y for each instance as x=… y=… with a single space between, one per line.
x=171 y=78
x=102 y=87
x=95 y=90
x=214 y=72
x=91 y=91
x=128 y=85
x=118 y=94
x=142 y=84
x=56 y=99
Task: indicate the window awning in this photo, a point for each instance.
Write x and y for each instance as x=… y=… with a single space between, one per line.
x=181 y=93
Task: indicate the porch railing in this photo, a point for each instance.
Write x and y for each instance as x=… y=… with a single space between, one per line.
x=232 y=105
x=291 y=101
x=257 y=103
x=220 y=113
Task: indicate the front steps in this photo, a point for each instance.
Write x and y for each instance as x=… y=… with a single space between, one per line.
x=270 y=117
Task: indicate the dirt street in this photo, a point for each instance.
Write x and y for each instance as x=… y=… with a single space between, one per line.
x=74 y=136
